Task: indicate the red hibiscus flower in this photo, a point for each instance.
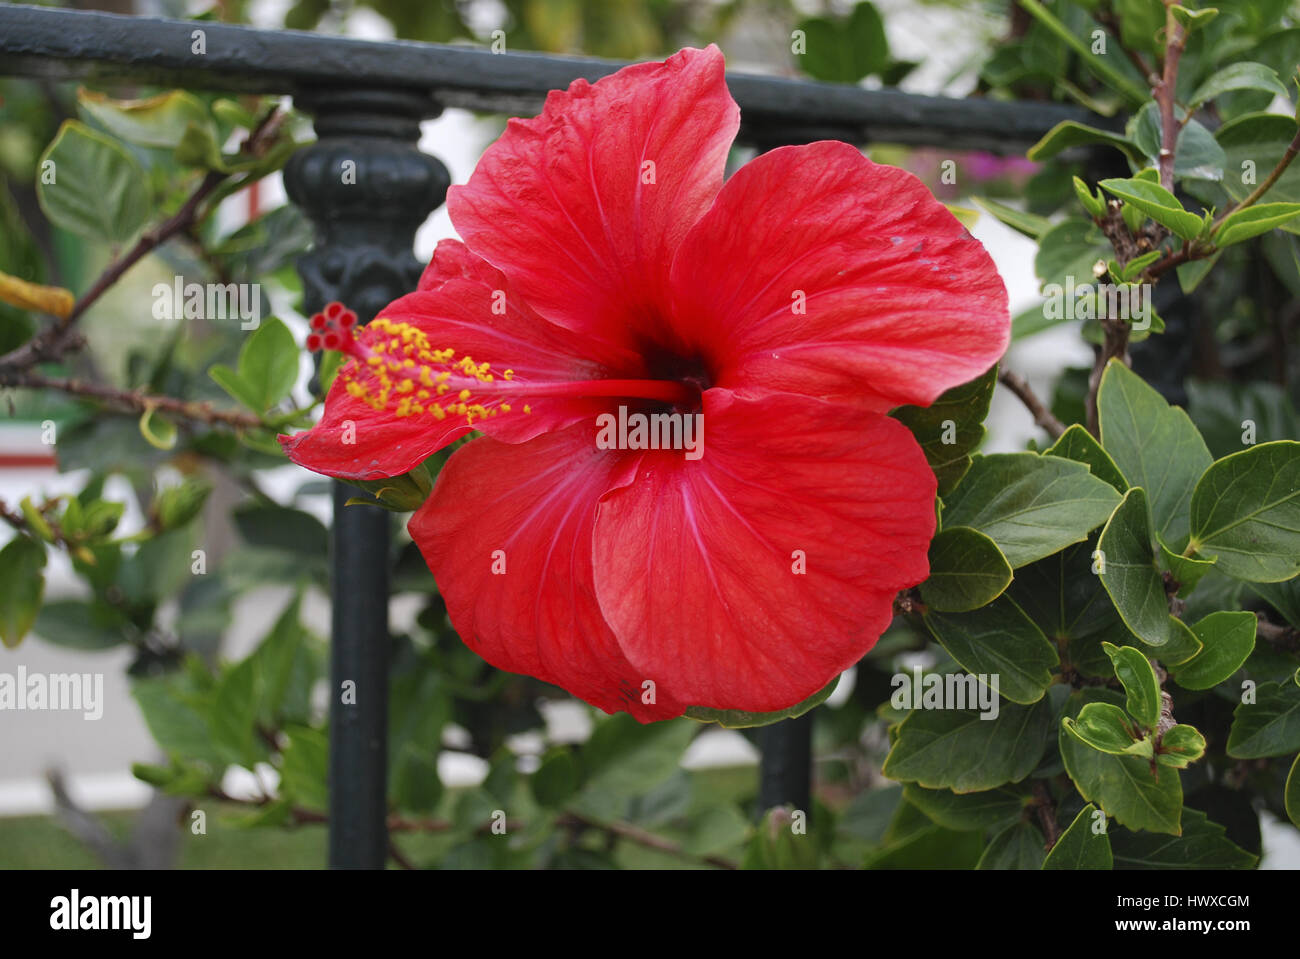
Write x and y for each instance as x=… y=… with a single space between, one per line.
x=606 y=265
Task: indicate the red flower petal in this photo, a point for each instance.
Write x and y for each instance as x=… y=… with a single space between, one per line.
x=560 y=201
x=901 y=301
x=536 y=503
x=455 y=308
x=695 y=560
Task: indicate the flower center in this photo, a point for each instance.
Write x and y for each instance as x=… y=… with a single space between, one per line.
x=400 y=370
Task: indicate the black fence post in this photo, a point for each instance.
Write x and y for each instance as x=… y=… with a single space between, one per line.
x=785 y=767
x=367 y=188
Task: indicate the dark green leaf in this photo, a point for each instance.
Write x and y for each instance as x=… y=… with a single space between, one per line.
x=1077 y=444
x=958 y=750
x=1018 y=846
x=1081 y=846
x=1246 y=513
x=950 y=427
x=98 y=189
x=1227 y=638
x=967 y=571
x=1123 y=786
x=1270 y=726
x=1031 y=506
x=22 y=584
x=999 y=640
x=1154 y=445
x=1202 y=845
x=1157 y=203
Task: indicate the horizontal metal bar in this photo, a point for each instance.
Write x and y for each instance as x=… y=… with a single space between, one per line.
x=87 y=45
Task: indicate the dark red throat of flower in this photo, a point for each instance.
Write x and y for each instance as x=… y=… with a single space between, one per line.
x=398 y=368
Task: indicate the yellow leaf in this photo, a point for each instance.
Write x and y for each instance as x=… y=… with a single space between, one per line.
x=53 y=300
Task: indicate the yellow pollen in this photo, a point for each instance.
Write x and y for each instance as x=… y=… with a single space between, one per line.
x=400 y=371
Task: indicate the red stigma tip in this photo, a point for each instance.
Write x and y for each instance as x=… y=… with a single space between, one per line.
x=318 y=322
x=313 y=342
x=334 y=309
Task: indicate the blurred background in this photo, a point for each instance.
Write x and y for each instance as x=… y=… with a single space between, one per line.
x=923 y=46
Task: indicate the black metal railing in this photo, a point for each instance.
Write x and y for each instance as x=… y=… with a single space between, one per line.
x=367 y=100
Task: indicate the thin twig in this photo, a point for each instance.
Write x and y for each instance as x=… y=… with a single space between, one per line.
x=133 y=401
x=1042 y=415
x=643 y=838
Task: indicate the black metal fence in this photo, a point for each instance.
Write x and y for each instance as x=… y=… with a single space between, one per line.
x=367 y=100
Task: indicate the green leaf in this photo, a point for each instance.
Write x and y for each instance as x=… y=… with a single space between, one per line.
x=715 y=830
x=967 y=571
x=158 y=431
x=230 y=381
x=1090 y=201
x=1197 y=154
x=1187 y=570
x=1123 y=786
x=303 y=770
x=157 y=121
x=268 y=364
x=1243 y=75
x=1069 y=252
x=1228 y=413
x=1154 y=445
x=416 y=785
x=1270 y=726
x=950 y=427
x=22 y=584
x=1139 y=681
x=847 y=50
x=1202 y=845
x=962 y=811
x=1100 y=65
x=96 y=188
x=1018 y=846
x=282 y=528
x=177 y=714
x=999 y=640
x=1253 y=145
x=1129 y=572
x=1071 y=133
x=1065 y=598
x=557 y=778
x=1156 y=202
x=1227 y=638
x=177 y=505
x=1106 y=728
x=1246 y=513
x=741 y=719
x=626 y=758
x=1030 y=224
x=160 y=568
x=234 y=714
x=1179 y=746
x=81 y=625
x=1254 y=220
x=957 y=749
x=1193 y=19
x=1030 y=505
x=1080 y=846
x=1077 y=444
x=1191 y=274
